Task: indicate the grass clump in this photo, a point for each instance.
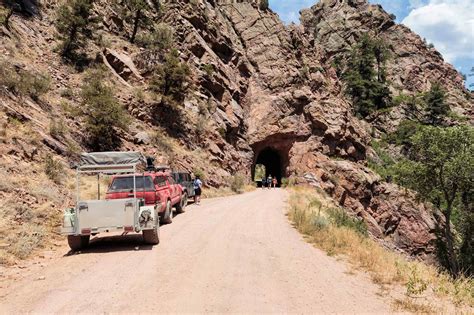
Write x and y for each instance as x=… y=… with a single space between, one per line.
x=22 y=82
x=237 y=183
x=340 y=234
x=26 y=240
x=54 y=169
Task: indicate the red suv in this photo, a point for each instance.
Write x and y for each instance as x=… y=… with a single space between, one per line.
x=157 y=188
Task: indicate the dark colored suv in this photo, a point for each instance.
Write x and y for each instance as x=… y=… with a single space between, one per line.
x=186 y=181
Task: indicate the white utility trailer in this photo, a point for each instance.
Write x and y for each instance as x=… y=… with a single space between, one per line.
x=91 y=217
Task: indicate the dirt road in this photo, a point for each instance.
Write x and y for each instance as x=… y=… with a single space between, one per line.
x=237 y=254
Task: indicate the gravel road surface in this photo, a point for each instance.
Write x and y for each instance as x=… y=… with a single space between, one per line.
x=237 y=254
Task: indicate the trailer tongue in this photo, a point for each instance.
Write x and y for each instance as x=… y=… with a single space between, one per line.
x=91 y=217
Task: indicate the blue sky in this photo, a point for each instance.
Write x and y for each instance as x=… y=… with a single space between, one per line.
x=448 y=24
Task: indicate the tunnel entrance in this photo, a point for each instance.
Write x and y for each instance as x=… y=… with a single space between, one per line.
x=272 y=162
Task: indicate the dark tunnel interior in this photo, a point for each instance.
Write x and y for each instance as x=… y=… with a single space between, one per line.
x=273 y=163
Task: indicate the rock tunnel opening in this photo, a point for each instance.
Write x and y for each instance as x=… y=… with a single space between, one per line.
x=274 y=163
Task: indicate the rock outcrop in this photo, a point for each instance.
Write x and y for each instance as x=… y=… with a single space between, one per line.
x=262 y=92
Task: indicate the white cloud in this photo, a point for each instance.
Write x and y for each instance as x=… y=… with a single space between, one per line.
x=448 y=24
x=415 y=4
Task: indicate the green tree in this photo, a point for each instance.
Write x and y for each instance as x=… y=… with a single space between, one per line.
x=134 y=12
x=75 y=24
x=366 y=76
x=264 y=5
x=436 y=107
x=441 y=169
x=104 y=115
x=171 y=79
x=10 y=7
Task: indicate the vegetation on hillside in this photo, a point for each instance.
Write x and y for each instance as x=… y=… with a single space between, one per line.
x=134 y=12
x=75 y=24
x=104 y=116
x=366 y=78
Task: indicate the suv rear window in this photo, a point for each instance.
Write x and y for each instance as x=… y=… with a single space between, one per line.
x=126 y=183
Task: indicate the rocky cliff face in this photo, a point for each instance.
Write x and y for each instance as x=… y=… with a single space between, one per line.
x=262 y=93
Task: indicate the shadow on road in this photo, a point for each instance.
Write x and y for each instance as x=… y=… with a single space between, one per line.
x=115 y=243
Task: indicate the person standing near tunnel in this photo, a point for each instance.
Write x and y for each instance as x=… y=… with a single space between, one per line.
x=274 y=182
x=269 y=181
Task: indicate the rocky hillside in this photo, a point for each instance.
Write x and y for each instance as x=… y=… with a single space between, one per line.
x=260 y=92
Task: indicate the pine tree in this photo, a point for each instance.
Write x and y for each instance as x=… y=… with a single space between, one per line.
x=75 y=24
x=134 y=12
x=172 y=77
x=104 y=114
x=436 y=106
x=366 y=76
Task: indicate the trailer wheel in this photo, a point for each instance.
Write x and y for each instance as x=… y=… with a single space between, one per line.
x=152 y=237
x=77 y=242
x=182 y=204
x=168 y=217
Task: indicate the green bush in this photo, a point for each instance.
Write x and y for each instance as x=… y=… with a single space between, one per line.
x=199 y=173
x=264 y=5
x=208 y=69
x=288 y=182
x=339 y=217
x=171 y=79
x=237 y=183
x=104 y=114
x=404 y=132
x=23 y=82
x=161 y=38
x=54 y=169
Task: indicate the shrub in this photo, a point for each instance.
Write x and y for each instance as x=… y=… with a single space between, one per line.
x=339 y=217
x=28 y=238
x=237 y=183
x=67 y=93
x=161 y=142
x=208 y=69
x=161 y=38
x=104 y=114
x=23 y=82
x=264 y=5
x=54 y=169
x=199 y=173
x=288 y=182
x=171 y=78
x=57 y=129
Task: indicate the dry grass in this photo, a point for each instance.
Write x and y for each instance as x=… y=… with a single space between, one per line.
x=224 y=191
x=415 y=307
x=311 y=213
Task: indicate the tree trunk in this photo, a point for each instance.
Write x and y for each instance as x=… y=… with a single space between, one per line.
x=135 y=26
x=452 y=259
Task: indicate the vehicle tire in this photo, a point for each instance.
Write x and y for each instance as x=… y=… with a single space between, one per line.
x=77 y=242
x=168 y=217
x=152 y=237
x=182 y=204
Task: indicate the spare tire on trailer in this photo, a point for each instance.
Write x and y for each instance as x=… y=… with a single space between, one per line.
x=77 y=242
x=152 y=237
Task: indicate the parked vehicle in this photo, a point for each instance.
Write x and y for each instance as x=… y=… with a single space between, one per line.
x=130 y=214
x=155 y=188
x=185 y=179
